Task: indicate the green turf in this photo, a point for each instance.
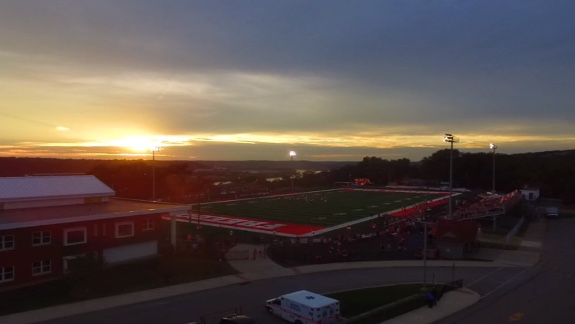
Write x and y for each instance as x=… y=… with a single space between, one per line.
x=324 y=208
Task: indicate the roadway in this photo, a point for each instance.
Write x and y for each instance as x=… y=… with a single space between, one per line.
x=542 y=294
x=537 y=294
x=251 y=296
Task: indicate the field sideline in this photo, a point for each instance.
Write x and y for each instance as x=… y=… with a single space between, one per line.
x=308 y=212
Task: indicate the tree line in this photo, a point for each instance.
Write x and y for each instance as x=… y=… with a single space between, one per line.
x=553 y=172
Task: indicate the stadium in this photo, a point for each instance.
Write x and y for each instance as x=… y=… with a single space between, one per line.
x=313 y=213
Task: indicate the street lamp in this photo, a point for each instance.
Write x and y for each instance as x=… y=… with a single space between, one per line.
x=493 y=147
x=449 y=138
x=154 y=148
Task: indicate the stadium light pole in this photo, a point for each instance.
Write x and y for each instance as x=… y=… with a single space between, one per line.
x=493 y=147
x=154 y=148
x=449 y=138
x=292 y=154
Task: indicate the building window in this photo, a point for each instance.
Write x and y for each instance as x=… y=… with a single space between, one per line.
x=6 y=242
x=72 y=261
x=73 y=236
x=148 y=225
x=124 y=229
x=41 y=238
x=6 y=274
x=41 y=267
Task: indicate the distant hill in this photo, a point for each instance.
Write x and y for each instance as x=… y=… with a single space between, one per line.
x=18 y=167
x=278 y=165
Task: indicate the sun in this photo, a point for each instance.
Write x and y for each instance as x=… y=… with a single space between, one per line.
x=139 y=143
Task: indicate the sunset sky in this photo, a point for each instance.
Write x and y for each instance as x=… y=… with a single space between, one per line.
x=253 y=80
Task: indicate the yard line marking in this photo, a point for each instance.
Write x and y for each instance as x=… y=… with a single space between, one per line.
x=504 y=283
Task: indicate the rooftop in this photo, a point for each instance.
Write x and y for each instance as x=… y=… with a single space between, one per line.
x=28 y=217
x=311 y=299
x=47 y=187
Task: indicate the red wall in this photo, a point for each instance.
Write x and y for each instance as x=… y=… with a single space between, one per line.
x=24 y=253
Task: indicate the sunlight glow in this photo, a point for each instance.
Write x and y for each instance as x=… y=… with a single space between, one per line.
x=145 y=145
x=138 y=143
x=376 y=140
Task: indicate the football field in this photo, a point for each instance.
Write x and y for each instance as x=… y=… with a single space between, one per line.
x=309 y=212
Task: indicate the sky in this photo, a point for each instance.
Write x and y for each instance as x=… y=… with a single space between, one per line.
x=253 y=80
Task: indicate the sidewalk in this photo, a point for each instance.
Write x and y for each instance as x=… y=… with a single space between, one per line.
x=451 y=303
x=263 y=268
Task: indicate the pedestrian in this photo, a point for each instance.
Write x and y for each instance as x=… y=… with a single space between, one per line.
x=430 y=299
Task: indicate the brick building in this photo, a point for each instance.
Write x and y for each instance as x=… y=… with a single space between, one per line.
x=48 y=222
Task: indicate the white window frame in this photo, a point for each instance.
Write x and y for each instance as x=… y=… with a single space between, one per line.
x=68 y=230
x=117 y=227
x=41 y=267
x=42 y=237
x=149 y=225
x=3 y=242
x=7 y=270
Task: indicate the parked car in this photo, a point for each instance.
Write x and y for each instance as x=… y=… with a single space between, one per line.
x=238 y=319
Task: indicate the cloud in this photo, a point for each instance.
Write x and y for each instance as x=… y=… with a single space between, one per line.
x=332 y=76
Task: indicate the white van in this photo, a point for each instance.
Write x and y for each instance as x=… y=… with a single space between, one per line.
x=305 y=307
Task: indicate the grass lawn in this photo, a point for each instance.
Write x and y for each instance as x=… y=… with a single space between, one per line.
x=322 y=208
x=497 y=241
x=355 y=302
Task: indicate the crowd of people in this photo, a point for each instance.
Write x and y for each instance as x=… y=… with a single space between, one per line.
x=486 y=205
x=385 y=238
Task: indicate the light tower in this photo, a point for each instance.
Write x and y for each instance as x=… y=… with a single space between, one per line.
x=292 y=154
x=449 y=138
x=493 y=147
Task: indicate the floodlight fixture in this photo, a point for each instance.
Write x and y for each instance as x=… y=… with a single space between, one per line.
x=449 y=138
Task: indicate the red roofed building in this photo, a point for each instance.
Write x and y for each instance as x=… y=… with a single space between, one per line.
x=454 y=238
x=48 y=221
